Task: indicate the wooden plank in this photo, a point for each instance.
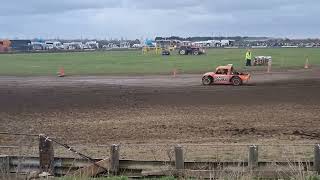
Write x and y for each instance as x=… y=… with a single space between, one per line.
x=158 y=172
x=63 y=162
x=150 y=168
x=93 y=169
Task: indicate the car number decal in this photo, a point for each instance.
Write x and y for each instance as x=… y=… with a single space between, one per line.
x=221 y=78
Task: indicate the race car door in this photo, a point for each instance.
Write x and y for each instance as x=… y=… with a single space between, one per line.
x=222 y=77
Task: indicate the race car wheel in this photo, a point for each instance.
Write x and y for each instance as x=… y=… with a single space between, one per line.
x=207 y=80
x=195 y=53
x=182 y=52
x=236 y=81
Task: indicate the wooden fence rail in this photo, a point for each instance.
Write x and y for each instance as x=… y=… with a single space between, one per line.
x=64 y=166
x=46 y=162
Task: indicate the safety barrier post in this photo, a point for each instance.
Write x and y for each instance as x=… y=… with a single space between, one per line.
x=46 y=154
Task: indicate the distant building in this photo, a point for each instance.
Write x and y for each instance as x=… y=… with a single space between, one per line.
x=20 y=45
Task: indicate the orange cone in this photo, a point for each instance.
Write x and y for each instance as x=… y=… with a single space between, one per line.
x=61 y=72
x=174 y=72
x=306 y=65
x=269 y=66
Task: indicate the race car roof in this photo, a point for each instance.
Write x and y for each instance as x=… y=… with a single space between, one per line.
x=229 y=66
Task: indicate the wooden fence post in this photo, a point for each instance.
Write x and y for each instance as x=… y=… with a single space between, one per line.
x=253 y=156
x=4 y=164
x=46 y=155
x=179 y=161
x=114 y=158
x=316 y=163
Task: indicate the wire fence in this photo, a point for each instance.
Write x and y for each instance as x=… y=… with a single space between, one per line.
x=28 y=145
x=224 y=158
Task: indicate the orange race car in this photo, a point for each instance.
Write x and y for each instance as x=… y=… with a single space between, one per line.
x=225 y=75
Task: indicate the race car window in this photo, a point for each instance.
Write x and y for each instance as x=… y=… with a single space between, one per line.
x=234 y=71
x=225 y=71
x=219 y=71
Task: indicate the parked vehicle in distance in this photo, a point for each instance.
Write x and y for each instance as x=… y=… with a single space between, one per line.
x=189 y=50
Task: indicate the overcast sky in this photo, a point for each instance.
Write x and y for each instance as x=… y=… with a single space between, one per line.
x=150 y=18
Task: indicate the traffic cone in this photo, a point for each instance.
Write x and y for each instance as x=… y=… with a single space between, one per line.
x=269 y=66
x=174 y=72
x=306 y=64
x=61 y=72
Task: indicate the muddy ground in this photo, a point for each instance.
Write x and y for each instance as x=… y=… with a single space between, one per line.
x=91 y=113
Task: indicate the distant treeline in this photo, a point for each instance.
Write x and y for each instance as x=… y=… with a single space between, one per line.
x=236 y=38
x=206 y=38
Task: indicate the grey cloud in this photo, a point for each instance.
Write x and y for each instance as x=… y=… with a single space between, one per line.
x=136 y=18
x=21 y=7
x=163 y=4
x=18 y=7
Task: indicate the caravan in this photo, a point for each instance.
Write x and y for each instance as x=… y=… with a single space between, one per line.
x=53 y=45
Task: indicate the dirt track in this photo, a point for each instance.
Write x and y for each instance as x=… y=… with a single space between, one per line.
x=85 y=111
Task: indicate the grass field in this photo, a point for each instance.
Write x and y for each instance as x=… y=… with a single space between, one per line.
x=133 y=62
